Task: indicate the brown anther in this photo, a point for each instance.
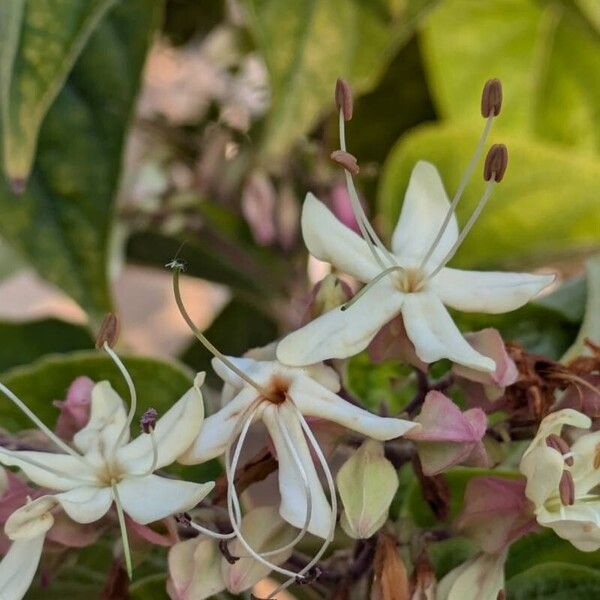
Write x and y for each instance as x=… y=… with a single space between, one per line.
x=496 y=162
x=224 y=548
x=343 y=98
x=184 y=519
x=310 y=577
x=346 y=160
x=109 y=331
x=501 y=595
x=566 y=489
x=597 y=457
x=557 y=443
x=491 y=98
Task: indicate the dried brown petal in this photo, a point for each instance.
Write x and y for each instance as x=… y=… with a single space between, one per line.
x=109 y=331
x=343 y=98
x=491 y=98
x=390 y=580
x=496 y=162
x=346 y=160
x=566 y=489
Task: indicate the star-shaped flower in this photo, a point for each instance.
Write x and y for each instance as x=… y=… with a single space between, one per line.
x=103 y=467
x=415 y=282
x=289 y=395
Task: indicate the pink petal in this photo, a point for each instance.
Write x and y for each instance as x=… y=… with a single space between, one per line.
x=442 y=421
x=392 y=342
x=341 y=207
x=75 y=409
x=583 y=399
x=489 y=343
x=496 y=512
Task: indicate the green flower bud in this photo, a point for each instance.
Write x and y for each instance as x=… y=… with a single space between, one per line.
x=367 y=483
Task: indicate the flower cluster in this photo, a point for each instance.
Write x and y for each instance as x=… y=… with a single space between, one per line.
x=293 y=388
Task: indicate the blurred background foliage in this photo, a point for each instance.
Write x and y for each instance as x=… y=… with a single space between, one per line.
x=133 y=131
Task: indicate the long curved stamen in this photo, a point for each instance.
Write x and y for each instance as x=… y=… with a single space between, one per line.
x=123 y=527
x=366 y=229
x=369 y=285
x=331 y=485
x=234 y=505
x=39 y=465
x=489 y=188
x=177 y=267
x=460 y=190
x=132 y=394
x=39 y=423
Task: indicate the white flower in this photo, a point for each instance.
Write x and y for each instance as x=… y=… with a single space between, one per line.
x=290 y=395
x=418 y=291
x=102 y=468
x=562 y=481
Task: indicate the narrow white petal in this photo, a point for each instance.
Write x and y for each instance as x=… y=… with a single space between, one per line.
x=217 y=430
x=291 y=485
x=174 y=433
x=342 y=333
x=150 y=498
x=65 y=463
x=314 y=400
x=423 y=212
x=107 y=417
x=488 y=292
x=247 y=365
x=434 y=334
x=543 y=468
x=86 y=504
x=18 y=567
x=331 y=241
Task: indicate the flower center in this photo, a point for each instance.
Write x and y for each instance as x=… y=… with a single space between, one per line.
x=277 y=390
x=410 y=281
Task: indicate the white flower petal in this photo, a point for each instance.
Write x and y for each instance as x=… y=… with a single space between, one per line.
x=107 y=418
x=342 y=333
x=31 y=520
x=543 y=468
x=434 y=334
x=174 y=433
x=217 y=430
x=577 y=523
x=324 y=375
x=150 y=498
x=248 y=366
x=65 y=463
x=423 y=212
x=314 y=400
x=487 y=292
x=331 y=241
x=291 y=485
x=18 y=567
x=86 y=504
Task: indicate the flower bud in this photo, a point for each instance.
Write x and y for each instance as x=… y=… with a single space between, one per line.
x=496 y=162
x=367 y=483
x=109 y=331
x=343 y=98
x=491 y=98
x=326 y=295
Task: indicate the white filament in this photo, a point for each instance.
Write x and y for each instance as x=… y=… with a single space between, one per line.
x=123 y=527
x=40 y=424
x=459 y=190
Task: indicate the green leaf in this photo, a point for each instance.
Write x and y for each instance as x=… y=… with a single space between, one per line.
x=450 y=553
x=544 y=547
x=546 y=207
x=38 y=48
x=62 y=223
x=238 y=328
x=590 y=328
x=555 y=581
x=158 y=383
x=25 y=342
x=307 y=44
x=544 y=53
